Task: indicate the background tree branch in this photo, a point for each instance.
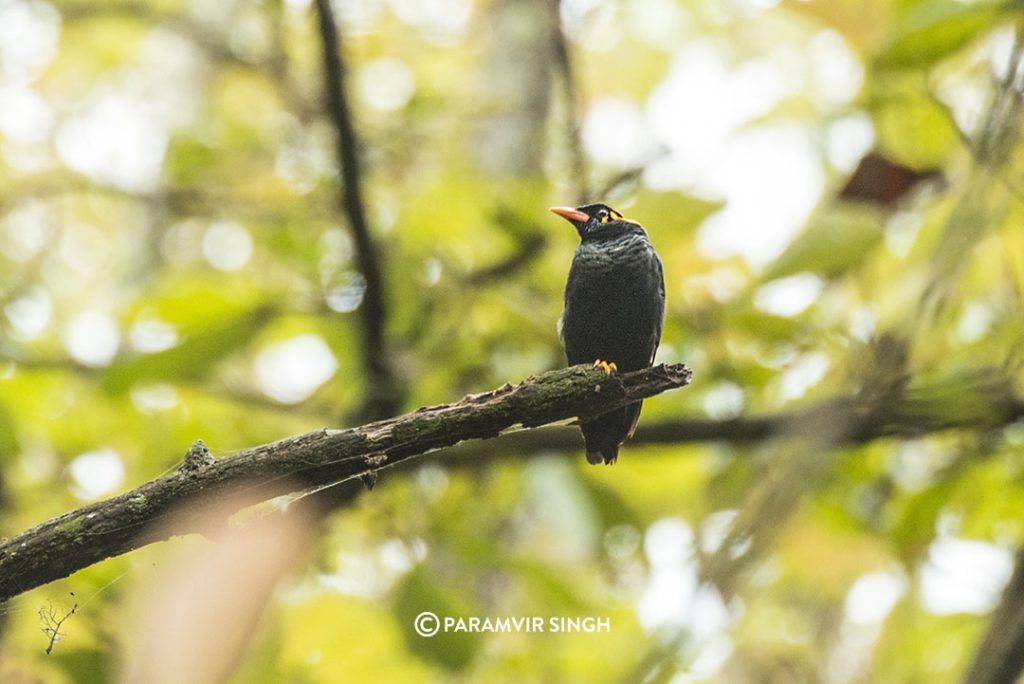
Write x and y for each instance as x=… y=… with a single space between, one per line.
x=563 y=68
x=75 y=540
x=908 y=413
x=999 y=658
x=383 y=394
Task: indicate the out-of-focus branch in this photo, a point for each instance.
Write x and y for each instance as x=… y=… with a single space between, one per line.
x=983 y=201
x=917 y=413
x=514 y=90
x=313 y=460
x=1002 y=125
x=383 y=392
x=528 y=249
x=1000 y=656
x=530 y=241
x=201 y=35
x=563 y=67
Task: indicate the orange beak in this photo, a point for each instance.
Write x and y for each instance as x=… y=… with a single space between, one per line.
x=570 y=214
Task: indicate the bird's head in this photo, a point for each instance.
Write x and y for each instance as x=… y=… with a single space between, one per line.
x=597 y=221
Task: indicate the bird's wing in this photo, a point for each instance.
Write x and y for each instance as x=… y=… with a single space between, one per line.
x=634 y=420
x=656 y=341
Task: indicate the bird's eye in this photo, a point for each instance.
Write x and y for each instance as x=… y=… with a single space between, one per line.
x=603 y=215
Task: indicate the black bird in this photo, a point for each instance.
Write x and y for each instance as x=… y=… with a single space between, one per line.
x=614 y=305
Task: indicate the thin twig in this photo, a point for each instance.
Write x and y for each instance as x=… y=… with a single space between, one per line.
x=52 y=623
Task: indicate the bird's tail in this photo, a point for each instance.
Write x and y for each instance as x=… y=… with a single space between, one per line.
x=603 y=435
x=607 y=453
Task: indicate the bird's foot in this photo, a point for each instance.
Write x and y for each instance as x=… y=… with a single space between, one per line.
x=608 y=367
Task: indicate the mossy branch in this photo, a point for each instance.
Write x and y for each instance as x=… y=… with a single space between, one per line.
x=80 y=538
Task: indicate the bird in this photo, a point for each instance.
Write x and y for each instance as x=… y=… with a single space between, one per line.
x=614 y=310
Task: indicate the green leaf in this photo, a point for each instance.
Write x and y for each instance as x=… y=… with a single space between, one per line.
x=911 y=128
x=832 y=243
x=914 y=517
x=418 y=593
x=191 y=357
x=670 y=213
x=927 y=31
x=188 y=158
x=8 y=436
x=82 y=666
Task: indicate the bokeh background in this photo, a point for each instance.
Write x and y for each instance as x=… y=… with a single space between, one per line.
x=834 y=189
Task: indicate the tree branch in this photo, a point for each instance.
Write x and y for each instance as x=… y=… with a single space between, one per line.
x=1000 y=655
x=564 y=68
x=76 y=540
x=530 y=242
x=383 y=393
x=911 y=413
x=529 y=248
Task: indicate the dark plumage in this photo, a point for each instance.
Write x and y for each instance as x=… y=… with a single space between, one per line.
x=614 y=305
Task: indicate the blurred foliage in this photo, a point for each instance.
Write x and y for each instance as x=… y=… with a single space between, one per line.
x=174 y=265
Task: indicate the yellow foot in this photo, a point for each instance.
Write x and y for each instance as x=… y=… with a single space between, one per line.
x=608 y=367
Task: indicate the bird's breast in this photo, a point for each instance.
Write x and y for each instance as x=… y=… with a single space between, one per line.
x=613 y=303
